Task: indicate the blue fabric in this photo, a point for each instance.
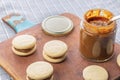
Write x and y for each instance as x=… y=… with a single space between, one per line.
x=21 y=25
x=24 y=25
x=14 y=18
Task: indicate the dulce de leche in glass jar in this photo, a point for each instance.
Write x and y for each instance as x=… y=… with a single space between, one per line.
x=97 y=37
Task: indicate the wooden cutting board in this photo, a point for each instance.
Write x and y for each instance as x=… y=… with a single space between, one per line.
x=70 y=69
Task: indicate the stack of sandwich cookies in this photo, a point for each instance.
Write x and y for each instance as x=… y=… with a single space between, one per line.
x=55 y=51
x=24 y=45
x=40 y=70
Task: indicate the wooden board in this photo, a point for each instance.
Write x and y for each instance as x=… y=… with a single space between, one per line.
x=70 y=69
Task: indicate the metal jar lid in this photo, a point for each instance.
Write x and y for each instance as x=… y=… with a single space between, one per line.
x=57 y=25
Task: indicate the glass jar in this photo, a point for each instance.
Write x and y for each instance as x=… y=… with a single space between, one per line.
x=96 y=36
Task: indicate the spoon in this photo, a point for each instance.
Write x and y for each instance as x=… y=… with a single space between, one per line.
x=113 y=19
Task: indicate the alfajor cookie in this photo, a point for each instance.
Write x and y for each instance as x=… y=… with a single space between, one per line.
x=95 y=72
x=118 y=60
x=40 y=70
x=53 y=60
x=24 y=45
x=55 y=51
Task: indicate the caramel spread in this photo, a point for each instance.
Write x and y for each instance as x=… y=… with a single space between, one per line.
x=96 y=36
x=24 y=50
x=94 y=47
x=98 y=21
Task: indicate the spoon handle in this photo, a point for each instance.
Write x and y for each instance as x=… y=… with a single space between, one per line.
x=115 y=18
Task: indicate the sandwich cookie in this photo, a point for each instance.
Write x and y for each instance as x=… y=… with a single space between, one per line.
x=118 y=60
x=57 y=25
x=24 y=45
x=95 y=72
x=40 y=70
x=55 y=51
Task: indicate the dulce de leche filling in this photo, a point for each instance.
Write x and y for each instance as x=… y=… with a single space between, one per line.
x=99 y=25
x=97 y=36
x=24 y=50
x=96 y=21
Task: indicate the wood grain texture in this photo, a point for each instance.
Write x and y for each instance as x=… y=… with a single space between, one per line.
x=70 y=69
